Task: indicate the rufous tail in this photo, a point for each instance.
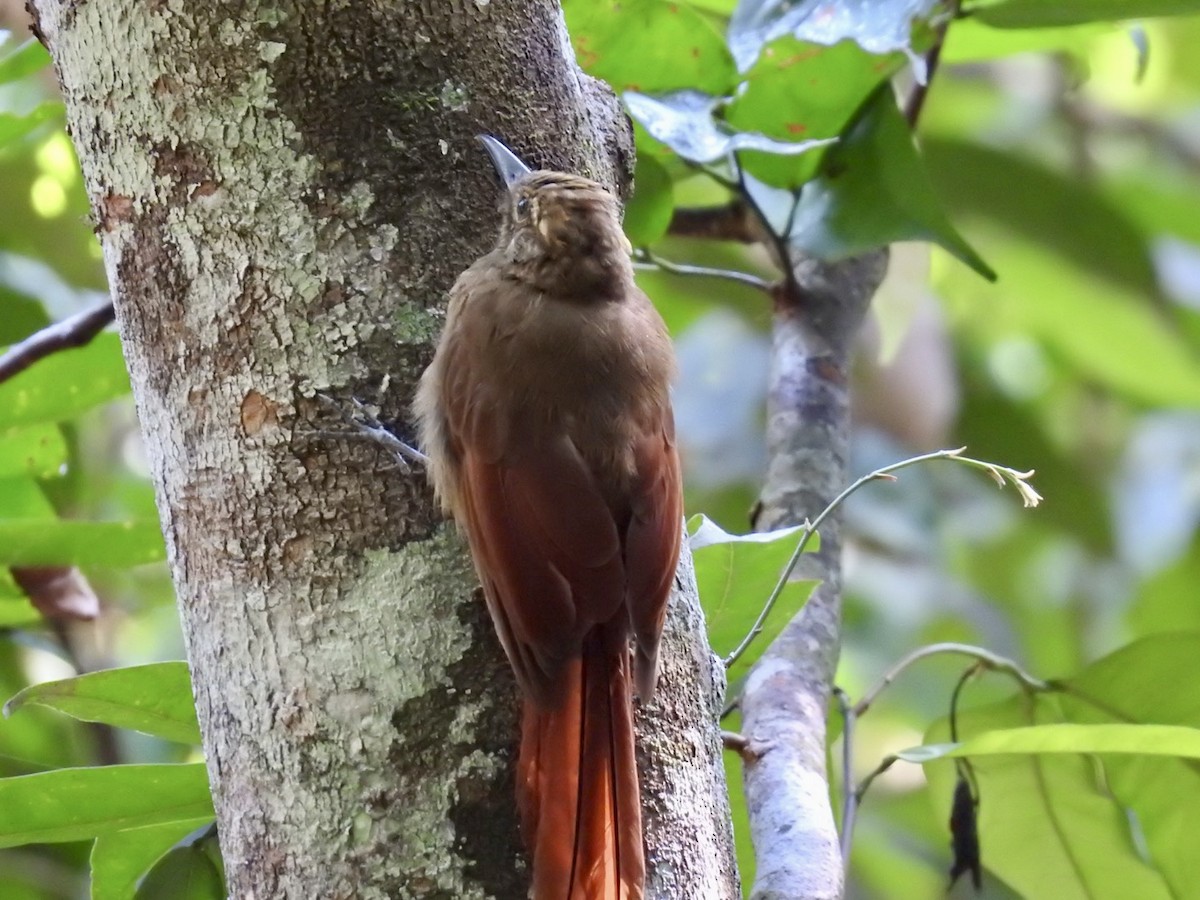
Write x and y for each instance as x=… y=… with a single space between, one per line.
x=577 y=781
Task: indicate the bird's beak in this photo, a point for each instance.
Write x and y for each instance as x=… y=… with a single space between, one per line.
x=508 y=165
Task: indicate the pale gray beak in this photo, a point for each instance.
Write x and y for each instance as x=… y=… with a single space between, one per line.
x=508 y=165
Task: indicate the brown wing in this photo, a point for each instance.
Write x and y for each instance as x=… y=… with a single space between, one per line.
x=547 y=551
x=652 y=542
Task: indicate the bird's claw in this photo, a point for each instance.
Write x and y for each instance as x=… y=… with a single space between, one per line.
x=368 y=426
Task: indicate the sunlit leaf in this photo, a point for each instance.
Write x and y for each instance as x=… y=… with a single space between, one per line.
x=153 y=699
x=26 y=59
x=61 y=542
x=803 y=91
x=120 y=859
x=735 y=575
x=1153 y=740
x=650 y=46
x=1147 y=682
x=873 y=190
x=1047 y=826
x=1045 y=13
x=76 y=804
x=13 y=126
x=39 y=451
x=65 y=384
x=878 y=26
x=685 y=123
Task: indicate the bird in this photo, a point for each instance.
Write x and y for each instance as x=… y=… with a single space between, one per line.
x=547 y=421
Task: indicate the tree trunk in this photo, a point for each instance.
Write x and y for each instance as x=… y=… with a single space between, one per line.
x=283 y=192
x=786 y=694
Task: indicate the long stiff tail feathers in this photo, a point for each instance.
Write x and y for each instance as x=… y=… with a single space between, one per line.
x=577 y=781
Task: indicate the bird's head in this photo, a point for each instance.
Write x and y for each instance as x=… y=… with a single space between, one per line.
x=560 y=232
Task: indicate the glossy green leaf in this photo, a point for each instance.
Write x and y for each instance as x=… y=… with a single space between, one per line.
x=872 y=191
x=685 y=122
x=802 y=91
x=648 y=212
x=76 y=804
x=13 y=127
x=652 y=46
x=1047 y=825
x=65 y=384
x=1048 y=13
x=1152 y=740
x=1149 y=681
x=185 y=873
x=154 y=699
x=39 y=451
x=735 y=575
x=54 y=542
x=22 y=498
x=878 y=26
x=26 y=59
x=121 y=858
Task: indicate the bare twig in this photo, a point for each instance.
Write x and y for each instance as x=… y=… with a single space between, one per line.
x=76 y=331
x=986 y=659
x=1001 y=474
x=647 y=260
x=849 y=799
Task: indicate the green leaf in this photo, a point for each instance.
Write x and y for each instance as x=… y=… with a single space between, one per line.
x=39 y=451
x=1152 y=740
x=1047 y=826
x=1047 y=13
x=879 y=26
x=154 y=699
x=971 y=41
x=186 y=873
x=685 y=122
x=1035 y=200
x=65 y=384
x=57 y=542
x=121 y=858
x=77 y=804
x=13 y=127
x=734 y=575
x=799 y=90
x=648 y=213
x=17 y=612
x=1149 y=681
x=652 y=46
x=872 y=191
x=30 y=57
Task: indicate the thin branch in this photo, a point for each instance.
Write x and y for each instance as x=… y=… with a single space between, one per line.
x=986 y=659
x=76 y=331
x=884 y=474
x=644 y=259
x=849 y=799
x=916 y=100
x=779 y=242
x=861 y=790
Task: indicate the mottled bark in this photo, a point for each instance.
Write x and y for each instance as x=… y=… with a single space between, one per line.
x=284 y=191
x=787 y=692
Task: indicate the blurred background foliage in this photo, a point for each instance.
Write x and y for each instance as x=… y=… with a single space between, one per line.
x=1065 y=157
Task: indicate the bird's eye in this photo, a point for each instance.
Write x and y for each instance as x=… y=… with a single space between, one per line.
x=522 y=206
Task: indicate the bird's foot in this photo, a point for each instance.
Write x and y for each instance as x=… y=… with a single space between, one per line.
x=366 y=425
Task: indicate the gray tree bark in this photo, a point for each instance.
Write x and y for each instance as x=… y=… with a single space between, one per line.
x=284 y=191
x=786 y=694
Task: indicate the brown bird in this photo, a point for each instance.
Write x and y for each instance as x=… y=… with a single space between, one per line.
x=546 y=418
